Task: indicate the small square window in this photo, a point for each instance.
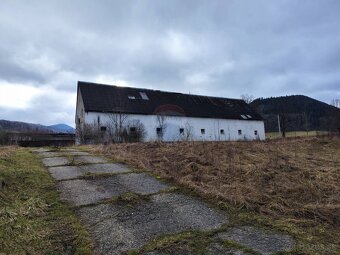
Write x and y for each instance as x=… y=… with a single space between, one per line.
x=222 y=131
x=202 y=131
x=159 y=131
x=255 y=132
x=102 y=128
x=240 y=132
x=132 y=129
x=181 y=130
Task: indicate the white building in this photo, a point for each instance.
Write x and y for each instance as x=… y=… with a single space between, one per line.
x=165 y=115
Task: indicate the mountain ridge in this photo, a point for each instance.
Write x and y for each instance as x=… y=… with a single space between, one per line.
x=19 y=126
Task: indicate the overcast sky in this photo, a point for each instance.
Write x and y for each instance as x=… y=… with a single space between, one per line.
x=219 y=48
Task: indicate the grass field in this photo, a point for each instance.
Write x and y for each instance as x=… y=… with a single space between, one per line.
x=288 y=184
x=274 y=135
x=32 y=219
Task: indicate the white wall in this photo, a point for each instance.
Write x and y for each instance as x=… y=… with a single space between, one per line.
x=212 y=127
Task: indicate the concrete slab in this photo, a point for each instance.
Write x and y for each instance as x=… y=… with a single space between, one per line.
x=212 y=249
x=137 y=224
x=77 y=153
x=264 y=242
x=65 y=172
x=141 y=183
x=50 y=154
x=85 y=192
x=41 y=149
x=71 y=172
x=89 y=160
x=106 y=168
x=57 y=161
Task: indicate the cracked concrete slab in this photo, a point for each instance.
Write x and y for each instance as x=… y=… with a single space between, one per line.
x=261 y=241
x=41 y=150
x=85 y=192
x=106 y=168
x=137 y=224
x=89 y=160
x=65 y=172
x=77 y=153
x=141 y=183
x=212 y=249
x=50 y=154
x=71 y=172
x=56 y=161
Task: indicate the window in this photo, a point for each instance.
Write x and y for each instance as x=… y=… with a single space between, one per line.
x=159 y=131
x=132 y=129
x=131 y=97
x=202 y=131
x=240 y=132
x=249 y=116
x=144 y=95
x=181 y=130
x=255 y=132
x=222 y=131
x=243 y=117
x=102 y=128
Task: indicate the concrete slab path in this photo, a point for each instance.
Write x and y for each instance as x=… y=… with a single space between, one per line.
x=125 y=210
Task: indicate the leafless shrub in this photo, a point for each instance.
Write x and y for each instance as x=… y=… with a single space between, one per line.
x=117 y=125
x=161 y=126
x=247 y=98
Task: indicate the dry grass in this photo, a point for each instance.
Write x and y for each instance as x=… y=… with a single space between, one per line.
x=33 y=220
x=296 y=179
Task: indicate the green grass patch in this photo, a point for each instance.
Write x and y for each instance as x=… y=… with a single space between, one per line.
x=32 y=218
x=197 y=242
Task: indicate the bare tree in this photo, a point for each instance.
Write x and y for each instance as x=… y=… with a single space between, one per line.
x=188 y=131
x=117 y=124
x=88 y=133
x=247 y=98
x=161 y=126
x=336 y=102
x=334 y=121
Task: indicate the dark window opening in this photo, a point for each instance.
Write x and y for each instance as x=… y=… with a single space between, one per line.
x=132 y=129
x=181 y=130
x=102 y=128
x=240 y=132
x=222 y=131
x=255 y=132
x=159 y=130
x=202 y=131
x=79 y=121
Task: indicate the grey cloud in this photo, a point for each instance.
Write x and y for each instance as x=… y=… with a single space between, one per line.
x=221 y=48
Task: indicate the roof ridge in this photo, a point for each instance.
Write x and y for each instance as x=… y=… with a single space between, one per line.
x=157 y=90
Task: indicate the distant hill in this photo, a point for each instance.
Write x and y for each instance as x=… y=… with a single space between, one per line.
x=297 y=113
x=17 y=126
x=62 y=128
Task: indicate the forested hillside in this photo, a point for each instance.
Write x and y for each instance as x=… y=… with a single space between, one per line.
x=297 y=113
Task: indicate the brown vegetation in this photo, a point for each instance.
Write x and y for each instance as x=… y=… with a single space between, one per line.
x=296 y=179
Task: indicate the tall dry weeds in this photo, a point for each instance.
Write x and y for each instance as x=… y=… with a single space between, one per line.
x=295 y=178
